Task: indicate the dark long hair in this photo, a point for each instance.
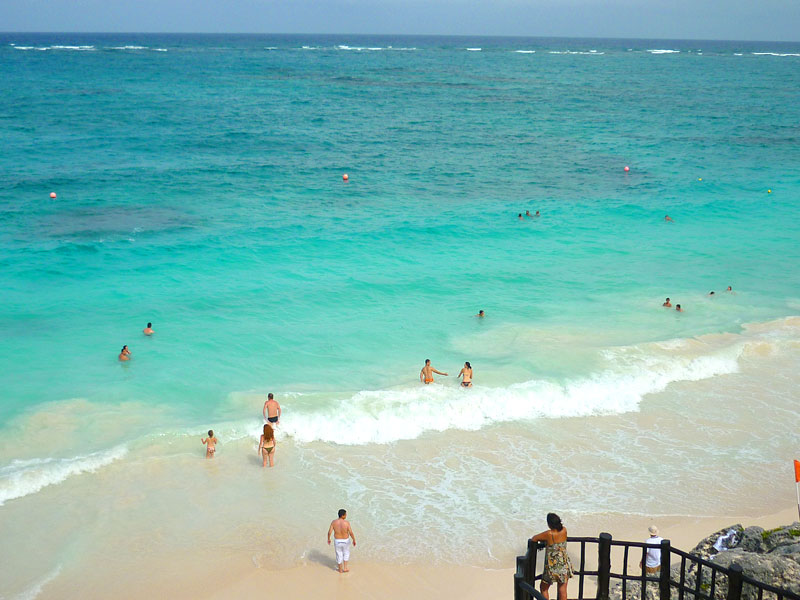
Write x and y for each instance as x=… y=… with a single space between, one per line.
x=469 y=366
x=554 y=522
x=268 y=433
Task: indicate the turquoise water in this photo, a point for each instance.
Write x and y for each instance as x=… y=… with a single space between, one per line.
x=199 y=186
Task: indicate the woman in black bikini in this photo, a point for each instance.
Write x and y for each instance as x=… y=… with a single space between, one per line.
x=466 y=373
x=266 y=446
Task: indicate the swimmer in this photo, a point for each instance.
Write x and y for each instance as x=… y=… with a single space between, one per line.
x=528 y=214
x=710 y=293
x=124 y=354
x=730 y=290
x=426 y=374
x=481 y=314
x=272 y=410
x=678 y=308
x=668 y=219
x=466 y=373
x=266 y=446
x=519 y=216
x=667 y=304
x=148 y=330
x=537 y=214
x=211 y=444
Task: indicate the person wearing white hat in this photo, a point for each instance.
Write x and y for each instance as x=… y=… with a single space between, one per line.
x=652 y=564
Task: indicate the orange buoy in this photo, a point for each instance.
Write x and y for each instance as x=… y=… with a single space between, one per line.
x=627 y=168
x=53 y=195
x=345 y=177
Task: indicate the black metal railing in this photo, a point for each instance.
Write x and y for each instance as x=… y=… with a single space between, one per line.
x=695 y=578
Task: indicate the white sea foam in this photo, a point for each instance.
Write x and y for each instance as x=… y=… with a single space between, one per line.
x=127 y=47
x=25 y=477
x=473 y=49
x=23 y=47
x=591 y=52
x=774 y=54
x=384 y=416
x=159 y=49
x=33 y=591
x=662 y=51
x=525 y=51
x=79 y=48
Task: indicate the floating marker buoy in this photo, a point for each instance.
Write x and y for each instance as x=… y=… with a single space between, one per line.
x=769 y=191
x=627 y=169
x=345 y=177
x=53 y=195
x=699 y=179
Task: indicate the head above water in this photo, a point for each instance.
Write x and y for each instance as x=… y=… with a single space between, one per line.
x=677 y=306
x=149 y=325
x=710 y=293
x=125 y=347
x=480 y=312
x=554 y=522
x=730 y=289
x=342 y=513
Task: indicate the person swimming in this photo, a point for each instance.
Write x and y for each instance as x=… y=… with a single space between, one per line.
x=148 y=330
x=481 y=314
x=710 y=293
x=466 y=375
x=667 y=304
x=519 y=216
x=678 y=308
x=124 y=354
x=668 y=219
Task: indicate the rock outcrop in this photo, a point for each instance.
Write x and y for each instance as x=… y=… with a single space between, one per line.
x=768 y=556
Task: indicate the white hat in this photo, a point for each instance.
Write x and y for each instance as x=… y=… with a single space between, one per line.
x=653 y=530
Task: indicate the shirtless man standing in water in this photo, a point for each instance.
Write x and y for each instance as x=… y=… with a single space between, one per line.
x=342 y=532
x=272 y=411
x=426 y=374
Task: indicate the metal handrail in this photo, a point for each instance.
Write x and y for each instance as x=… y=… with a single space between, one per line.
x=525 y=578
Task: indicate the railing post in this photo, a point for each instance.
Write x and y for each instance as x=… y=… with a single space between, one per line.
x=664 y=575
x=530 y=573
x=603 y=565
x=735 y=582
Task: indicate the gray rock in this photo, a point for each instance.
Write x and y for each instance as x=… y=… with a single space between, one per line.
x=771 y=557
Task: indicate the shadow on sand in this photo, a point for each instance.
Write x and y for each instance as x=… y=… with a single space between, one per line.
x=326 y=560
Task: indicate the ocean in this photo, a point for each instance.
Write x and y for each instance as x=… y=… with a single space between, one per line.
x=199 y=186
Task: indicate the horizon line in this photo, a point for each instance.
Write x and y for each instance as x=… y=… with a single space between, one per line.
x=409 y=35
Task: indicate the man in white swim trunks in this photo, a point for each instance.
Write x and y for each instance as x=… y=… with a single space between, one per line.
x=342 y=532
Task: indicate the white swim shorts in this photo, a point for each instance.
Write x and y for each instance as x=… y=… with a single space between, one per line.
x=342 y=550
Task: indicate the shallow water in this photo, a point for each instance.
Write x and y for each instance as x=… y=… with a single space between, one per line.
x=199 y=183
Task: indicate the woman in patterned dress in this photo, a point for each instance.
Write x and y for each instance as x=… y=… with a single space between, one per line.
x=557 y=566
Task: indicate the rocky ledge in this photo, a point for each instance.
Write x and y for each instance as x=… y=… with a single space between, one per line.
x=769 y=556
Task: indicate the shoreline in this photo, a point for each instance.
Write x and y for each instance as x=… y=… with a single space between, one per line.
x=217 y=575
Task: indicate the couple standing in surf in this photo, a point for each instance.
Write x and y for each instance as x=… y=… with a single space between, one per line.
x=426 y=374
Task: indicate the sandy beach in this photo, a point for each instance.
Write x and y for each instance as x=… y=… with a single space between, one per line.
x=220 y=576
